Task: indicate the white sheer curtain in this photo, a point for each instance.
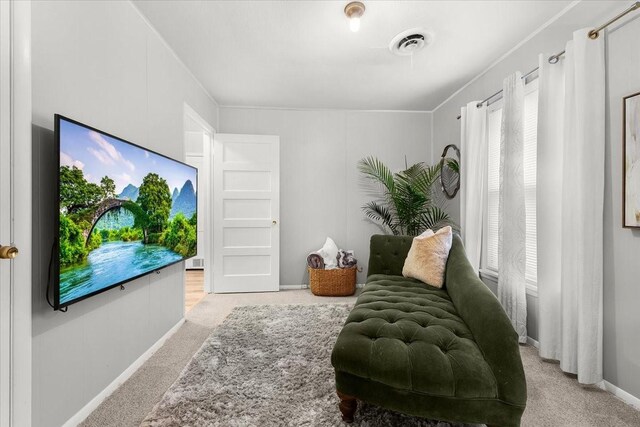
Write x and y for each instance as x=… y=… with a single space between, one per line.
x=511 y=207
x=570 y=197
x=473 y=161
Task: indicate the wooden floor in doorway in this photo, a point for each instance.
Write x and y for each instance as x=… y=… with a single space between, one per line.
x=194 y=288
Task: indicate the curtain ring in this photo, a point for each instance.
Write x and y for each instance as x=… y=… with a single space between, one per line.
x=553 y=59
x=593 y=34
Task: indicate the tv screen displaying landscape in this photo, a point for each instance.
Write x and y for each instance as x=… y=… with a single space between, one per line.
x=124 y=211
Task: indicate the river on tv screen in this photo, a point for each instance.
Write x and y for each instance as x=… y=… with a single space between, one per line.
x=124 y=211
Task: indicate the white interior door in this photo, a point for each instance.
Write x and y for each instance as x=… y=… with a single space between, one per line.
x=246 y=213
x=15 y=213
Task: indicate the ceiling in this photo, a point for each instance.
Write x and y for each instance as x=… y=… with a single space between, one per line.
x=301 y=54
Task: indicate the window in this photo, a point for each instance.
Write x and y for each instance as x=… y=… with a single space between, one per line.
x=494 y=117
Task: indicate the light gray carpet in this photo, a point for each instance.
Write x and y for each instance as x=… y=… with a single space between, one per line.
x=555 y=399
x=267 y=366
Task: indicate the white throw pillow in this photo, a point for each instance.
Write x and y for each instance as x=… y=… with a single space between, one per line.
x=329 y=253
x=427 y=258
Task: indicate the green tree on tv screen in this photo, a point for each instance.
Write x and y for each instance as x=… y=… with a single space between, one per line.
x=108 y=187
x=72 y=245
x=76 y=193
x=155 y=201
x=180 y=236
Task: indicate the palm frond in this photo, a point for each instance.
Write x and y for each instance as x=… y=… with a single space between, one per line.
x=435 y=218
x=453 y=164
x=378 y=172
x=379 y=213
x=424 y=181
x=449 y=179
x=413 y=171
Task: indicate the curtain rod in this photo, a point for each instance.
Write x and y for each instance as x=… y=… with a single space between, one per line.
x=524 y=77
x=553 y=59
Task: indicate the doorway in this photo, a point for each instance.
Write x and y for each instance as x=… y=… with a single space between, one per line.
x=198 y=150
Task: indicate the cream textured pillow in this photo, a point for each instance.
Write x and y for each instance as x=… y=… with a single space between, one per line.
x=425 y=234
x=427 y=258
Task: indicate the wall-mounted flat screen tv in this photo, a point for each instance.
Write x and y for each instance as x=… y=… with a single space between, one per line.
x=124 y=211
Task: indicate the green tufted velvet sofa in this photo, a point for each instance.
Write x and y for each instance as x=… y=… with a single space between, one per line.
x=449 y=354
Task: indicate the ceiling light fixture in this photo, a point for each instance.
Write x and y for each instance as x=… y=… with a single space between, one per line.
x=354 y=12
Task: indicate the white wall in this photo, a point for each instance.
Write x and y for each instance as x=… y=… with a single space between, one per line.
x=621 y=246
x=100 y=63
x=621 y=270
x=320 y=190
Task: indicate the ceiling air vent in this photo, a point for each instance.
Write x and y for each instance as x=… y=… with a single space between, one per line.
x=410 y=41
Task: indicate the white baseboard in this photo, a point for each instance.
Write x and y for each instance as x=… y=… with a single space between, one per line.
x=533 y=342
x=306 y=286
x=83 y=413
x=627 y=398
x=293 y=287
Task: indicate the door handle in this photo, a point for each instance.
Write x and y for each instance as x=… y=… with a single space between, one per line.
x=274 y=222
x=8 y=252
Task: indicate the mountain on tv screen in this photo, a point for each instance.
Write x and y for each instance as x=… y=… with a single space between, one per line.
x=124 y=211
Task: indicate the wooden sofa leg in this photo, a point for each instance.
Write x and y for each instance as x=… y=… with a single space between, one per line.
x=348 y=406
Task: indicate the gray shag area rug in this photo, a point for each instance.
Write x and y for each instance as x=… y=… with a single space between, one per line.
x=268 y=365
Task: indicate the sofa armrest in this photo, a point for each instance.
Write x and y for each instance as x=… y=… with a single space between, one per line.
x=489 y=324
x=387 y=254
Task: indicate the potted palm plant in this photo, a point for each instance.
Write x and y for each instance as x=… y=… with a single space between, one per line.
x=407 y=205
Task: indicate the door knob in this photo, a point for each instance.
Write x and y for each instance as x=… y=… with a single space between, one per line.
x=8 y=252
x=274 y=222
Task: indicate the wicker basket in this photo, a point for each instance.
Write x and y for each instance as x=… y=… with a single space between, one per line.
x=334 y=283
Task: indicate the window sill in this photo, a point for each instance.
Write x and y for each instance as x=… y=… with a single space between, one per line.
x=532 y=288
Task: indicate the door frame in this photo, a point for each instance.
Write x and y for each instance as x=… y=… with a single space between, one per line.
x=201 y=175
x=190 y=113
x=15 y=186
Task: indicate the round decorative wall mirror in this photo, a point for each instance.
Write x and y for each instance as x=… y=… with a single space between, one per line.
x=450 y=171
